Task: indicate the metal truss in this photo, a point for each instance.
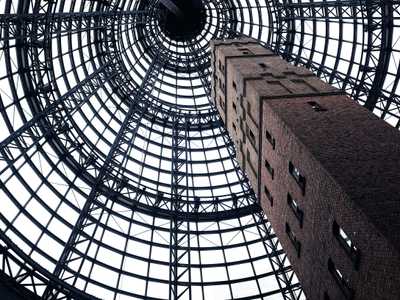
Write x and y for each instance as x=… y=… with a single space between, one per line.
x=106 y=176
x=359 y=65
x=117 y=175
x=180 y=238
x=18 y=271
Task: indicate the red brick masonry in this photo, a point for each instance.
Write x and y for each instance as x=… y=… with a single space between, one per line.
x=283 y=119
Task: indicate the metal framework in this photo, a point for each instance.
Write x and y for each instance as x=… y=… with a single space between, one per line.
x=117 y=177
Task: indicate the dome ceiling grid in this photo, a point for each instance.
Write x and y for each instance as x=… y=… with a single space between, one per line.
x=54 y=173
x=65 y=188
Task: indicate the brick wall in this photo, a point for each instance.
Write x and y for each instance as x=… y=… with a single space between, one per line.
x=350 y=161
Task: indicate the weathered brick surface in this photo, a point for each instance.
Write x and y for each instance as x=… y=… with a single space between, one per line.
x=350 y=160
x=331 y=162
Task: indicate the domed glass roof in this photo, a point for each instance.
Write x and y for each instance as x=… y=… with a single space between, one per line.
x=118 y=179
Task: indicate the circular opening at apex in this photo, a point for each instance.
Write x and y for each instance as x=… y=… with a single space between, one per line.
x=182 y=20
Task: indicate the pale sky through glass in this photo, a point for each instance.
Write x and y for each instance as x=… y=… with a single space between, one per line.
x=124 y=251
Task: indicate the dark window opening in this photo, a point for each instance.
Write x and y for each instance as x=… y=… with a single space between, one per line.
x=245 y=51
x=341 y=280
x=268 y=195
x=326 y=296
x=293 y=239
x=270 y=138
x=252 y=136
x=234 y=126
x=295 y=208
x=234 y=106
x=262 y=65
x=315 y=106
x=347 y=244
x=289 y=73
x=222 y=85
x=219 y=65
x=269 y=169
x=234 y=85
x=298 y=177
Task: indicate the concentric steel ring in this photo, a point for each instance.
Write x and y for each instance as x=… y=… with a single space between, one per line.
x=118 y=179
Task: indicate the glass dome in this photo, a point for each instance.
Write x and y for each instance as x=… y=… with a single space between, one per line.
x=118 y=179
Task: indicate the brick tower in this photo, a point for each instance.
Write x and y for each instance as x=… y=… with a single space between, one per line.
x=325 y=169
